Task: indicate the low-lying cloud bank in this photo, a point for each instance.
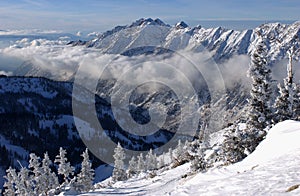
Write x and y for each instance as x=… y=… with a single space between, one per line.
x=62 y=62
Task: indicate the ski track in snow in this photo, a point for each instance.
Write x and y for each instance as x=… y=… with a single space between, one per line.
x=252 y=176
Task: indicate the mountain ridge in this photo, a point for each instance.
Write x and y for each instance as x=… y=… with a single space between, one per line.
x=223 y=42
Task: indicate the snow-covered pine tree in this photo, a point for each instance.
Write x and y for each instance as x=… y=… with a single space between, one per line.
x=199 y=163
x=48 y=178
x=232 y=149
x=197 y=151
x=132 y=167
x=287 y=103
x=9 y=185
x=284 y=102
x=140 y=163
x=259 y=114
x=85 y=178
x=294 y=55
x=179 y=151
x=151 y=161
x=35 y=166
x=260 y=110
x=239 y=143
x=161 y=161
x=296 y=111
x=119 y=156
x=64 y=167
x=187 y=147
x=24 y=185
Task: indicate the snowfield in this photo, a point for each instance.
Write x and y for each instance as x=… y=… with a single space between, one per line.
x=272 y=169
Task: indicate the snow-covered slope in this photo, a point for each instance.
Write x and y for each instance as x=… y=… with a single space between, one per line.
x=224 y=43
x=271 y=169
x=35 y=112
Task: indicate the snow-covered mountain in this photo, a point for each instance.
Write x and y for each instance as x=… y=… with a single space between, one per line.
x=57 y=61
x=224 y=43
x=40 y=110
x=153 y=36
x=36 y=116
x=272 y=169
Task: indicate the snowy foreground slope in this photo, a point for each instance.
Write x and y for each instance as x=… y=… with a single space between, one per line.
x=271 y=169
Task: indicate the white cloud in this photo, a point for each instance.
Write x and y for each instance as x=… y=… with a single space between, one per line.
x=56 y=57
x=279 y=70
x=6 y=73
x=78 y=33
x=28 y=32
x=235 y=70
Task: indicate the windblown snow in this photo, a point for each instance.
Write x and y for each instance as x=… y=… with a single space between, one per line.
x=272 y=169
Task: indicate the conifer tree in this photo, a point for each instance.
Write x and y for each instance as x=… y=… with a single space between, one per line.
x=119 y=156
x=260 y=73
x=259 y=114
x=64 y=167
x=239 y=143
x=296 y=110
x=161 y=161
x=179 y=152
x=284 y=102
x=24 y=185
x=287 y=103
x=199 y=162
x=132 y=167
x=35 y=166
x=197 y=150
x=11 y=179
x=86 y=176
x=151 y=160
x=233 y=146
x=49 y=178
x=141 y=163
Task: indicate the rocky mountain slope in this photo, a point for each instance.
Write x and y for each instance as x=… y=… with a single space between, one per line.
x=224 y=43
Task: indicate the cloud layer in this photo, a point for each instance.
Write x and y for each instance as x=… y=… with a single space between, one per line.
x=63 y=61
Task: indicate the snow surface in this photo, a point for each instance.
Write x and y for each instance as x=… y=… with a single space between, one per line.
x=270 y=170
x=29 y=85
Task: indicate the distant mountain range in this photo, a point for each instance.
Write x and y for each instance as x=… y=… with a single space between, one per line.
x=224 y=43
x=153 y=36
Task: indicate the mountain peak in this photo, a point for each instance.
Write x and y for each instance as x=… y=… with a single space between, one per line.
x=139 y=22
x=160 y=22
x=181 y=25
x=148 y=21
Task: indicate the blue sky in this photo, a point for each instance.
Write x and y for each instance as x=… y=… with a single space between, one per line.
x=100 y=15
